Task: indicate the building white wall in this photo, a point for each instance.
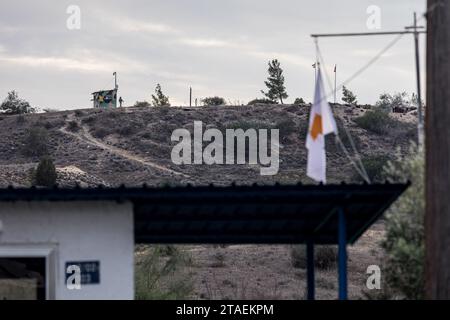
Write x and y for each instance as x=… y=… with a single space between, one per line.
x=76 y=231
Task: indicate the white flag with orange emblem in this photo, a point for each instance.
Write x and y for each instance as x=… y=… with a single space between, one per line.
x=321 y=123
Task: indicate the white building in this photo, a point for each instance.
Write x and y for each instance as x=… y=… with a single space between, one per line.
x=39 y=241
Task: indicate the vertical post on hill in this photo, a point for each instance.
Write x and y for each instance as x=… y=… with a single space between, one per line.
x=437 y=218
x=115 y=80
x=190 y=96
x=335 y=83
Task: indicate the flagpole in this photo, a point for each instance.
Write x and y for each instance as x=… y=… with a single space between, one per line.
x=317 y=64
x=335 y=82
x=315 y=73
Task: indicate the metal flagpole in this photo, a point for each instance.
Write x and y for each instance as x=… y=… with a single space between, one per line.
x=416 y=33
x=315 y=72
x=317 y=63
x=335 y=82
x=115 y=80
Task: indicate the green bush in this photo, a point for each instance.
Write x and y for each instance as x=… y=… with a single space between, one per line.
x=348 y=96
x=325 y=257
x=286 y=127
x=376 y=121
x=14 y=105
x=388 y=102
x=142 y=104
x=90 y=120
x=299 y=101
x=261 y=101
x=73 y=126
x=404 y=244
x=45 y=174
x=100 y=132
x=35 y=143
x=214 y=101
x=248 y=124
x=127 y=130
x=374 y=166
x=162 y=277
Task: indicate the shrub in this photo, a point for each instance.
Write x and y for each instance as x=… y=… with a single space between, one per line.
x=127 y=130
x=345 y=135
x=248 y=124
x=48 y=125
x=348 y=96
x=14 y=105
x=219 y=260
x=376 y=121
x=49 y=110
x=286 y=127
x=159 y=99
x=299 y=101
x=325 y=257
x=374 y=166
x=89 y=120
x=79 y=113
x=261 y=101
x=389 y=103
x=214 y=101
x=142 y=104
x=45 y=174
x=159 y=277
x=100 y=132
x=73 y=126
x=35 y=143
x=404 y=244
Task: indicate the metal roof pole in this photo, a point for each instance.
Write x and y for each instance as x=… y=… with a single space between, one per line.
x=342 y=268
x=310 y=269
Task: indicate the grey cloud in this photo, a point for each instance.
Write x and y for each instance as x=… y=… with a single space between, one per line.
x=218 y=47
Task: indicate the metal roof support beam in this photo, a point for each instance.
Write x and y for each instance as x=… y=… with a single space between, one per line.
x=342 y=268
x=310 y=269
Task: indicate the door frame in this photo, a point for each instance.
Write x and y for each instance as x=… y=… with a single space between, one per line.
x=46 y=251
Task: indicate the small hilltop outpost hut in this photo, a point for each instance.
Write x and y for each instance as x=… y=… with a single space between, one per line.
x=105 y=99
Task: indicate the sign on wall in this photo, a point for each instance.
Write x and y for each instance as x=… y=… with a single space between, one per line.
x=90 y=271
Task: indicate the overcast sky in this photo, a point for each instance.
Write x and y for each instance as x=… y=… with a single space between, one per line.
x=218 y=47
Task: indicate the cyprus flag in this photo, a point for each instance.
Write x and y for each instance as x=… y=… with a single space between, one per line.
x=321 y=123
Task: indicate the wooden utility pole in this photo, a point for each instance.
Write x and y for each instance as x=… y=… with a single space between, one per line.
x=437 y=219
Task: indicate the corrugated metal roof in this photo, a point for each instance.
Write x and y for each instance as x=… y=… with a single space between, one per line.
x=237 y=214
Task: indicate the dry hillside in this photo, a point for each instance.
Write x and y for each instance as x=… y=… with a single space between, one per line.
x=132 y=146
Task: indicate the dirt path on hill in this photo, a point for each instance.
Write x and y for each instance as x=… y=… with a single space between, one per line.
x=85 y=136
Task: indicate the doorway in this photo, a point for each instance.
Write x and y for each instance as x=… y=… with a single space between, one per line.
x=23 y=278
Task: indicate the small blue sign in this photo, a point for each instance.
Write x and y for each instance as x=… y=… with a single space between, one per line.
x=90 y=271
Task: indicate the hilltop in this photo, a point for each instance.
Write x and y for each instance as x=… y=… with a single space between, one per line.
x=132 y=146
